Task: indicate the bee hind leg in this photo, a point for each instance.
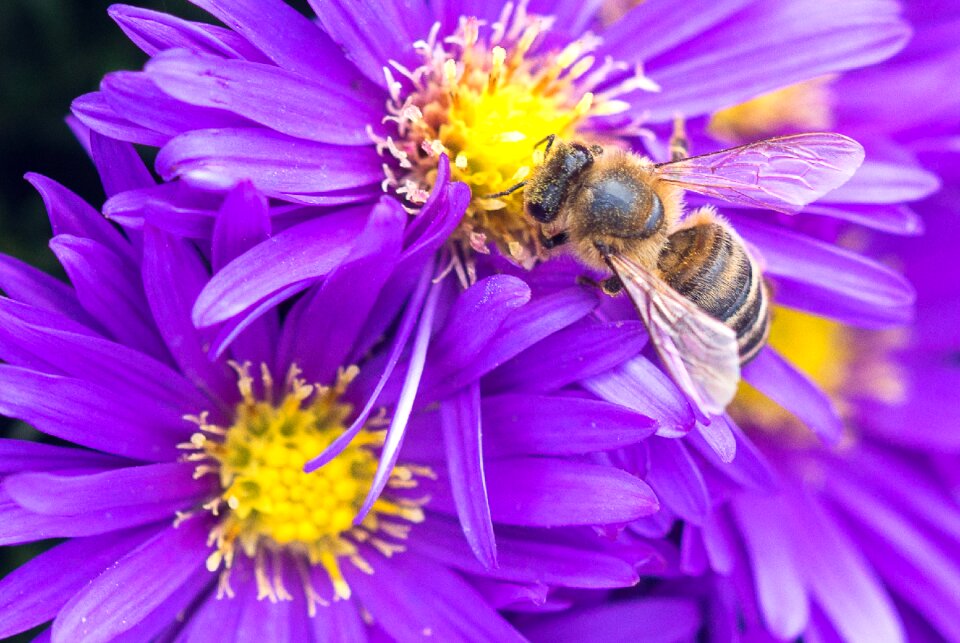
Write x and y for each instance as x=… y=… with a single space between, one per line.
x=609 y=286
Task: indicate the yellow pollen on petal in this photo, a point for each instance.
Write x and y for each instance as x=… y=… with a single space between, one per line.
x=803 y=107
x=488 y=95
x=272 y=511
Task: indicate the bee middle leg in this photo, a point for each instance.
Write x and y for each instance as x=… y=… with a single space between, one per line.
x=679 y=143
x=609 y=286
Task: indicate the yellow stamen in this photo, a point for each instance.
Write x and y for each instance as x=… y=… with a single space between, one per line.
x=272 y=511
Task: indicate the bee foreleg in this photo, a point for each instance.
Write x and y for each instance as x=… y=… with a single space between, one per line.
x=554 y=241
x=549 y=139
x=679 y=143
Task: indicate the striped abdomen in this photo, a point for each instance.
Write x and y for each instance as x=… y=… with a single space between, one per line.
x=709 y=265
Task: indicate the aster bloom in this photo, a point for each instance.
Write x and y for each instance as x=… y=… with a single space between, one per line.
x=480 y=85
x=181 y=492
x=853 y=539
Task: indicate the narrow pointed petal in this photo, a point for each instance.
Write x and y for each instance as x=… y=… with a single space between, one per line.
x=675 y=478
x=642 y=387
x=287 y=37
x=122 y=308
x=88 y=415
x=404 y=405
x=581 y=351
x=28 y=285
x=155 y=31
x=68 y=495
x=119 y=165
x=521 y=424
x=299 y=254
x=277 y=164
x=314 y=110
x=174 y=273
x=460 y=421
x=430 y=597
x=827 y=280
x=776 y=378
x=33 y=593
x=130 y=589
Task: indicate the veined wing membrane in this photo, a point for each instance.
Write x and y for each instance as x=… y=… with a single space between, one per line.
x=783 y=173
x=698 y=351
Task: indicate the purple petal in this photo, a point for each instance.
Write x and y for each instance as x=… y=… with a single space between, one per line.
x=215 y=616
x=766 y=530
x=333 y=316
x=88 y=415
x=119 y=165
x=315 y=110
x=137 y=98
x=174 y=207
x=524 y=491
x=675 y=478
x=583 y=350
x=652 y=620
x=886 y=181
x=122 y=307
x=26 y=284
x=895 y=219
x=524 y=560
x=359 y=30
x=242 y=222
x=338 y=623
x=747 y=467
x=525 y=327
x=521 y=424
x=827 y=280
x=404 y=330
x=776 y=378
x=404 y=405
x=95 y=112
x=482 y=308
x=33 y=593
x=719 y=438
x=676 y=23
x=22 y=455
x=276 y=163
x=287 y=37
x=53 y=344
x=431 y=599
x=642 y=387
x=299 y=254
x=136 y=584
x=844 y=584
x=174 y=273
x=71 y=495
x=165 y=620
x=463 y=438
x=71 y=215
x=18 y=526
x=777 y=44
x=154 y=32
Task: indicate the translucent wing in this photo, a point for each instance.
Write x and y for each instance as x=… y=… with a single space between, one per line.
x=699 y=352
x=783 y=173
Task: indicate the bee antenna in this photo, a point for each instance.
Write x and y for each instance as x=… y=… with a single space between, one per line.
x=510 y=190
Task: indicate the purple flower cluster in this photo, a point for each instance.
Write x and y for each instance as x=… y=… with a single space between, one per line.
x=289 y=406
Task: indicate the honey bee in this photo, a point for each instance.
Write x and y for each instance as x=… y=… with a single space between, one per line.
x=692 y=279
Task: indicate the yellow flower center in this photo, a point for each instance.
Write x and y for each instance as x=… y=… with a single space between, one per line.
x=803 y=107
x=269 y=505
x=486 y=97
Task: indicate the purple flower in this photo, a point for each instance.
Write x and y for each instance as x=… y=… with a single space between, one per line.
x=182 y=494
x=854 y=539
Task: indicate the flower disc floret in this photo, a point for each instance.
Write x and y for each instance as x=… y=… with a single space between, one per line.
x=268 y=504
